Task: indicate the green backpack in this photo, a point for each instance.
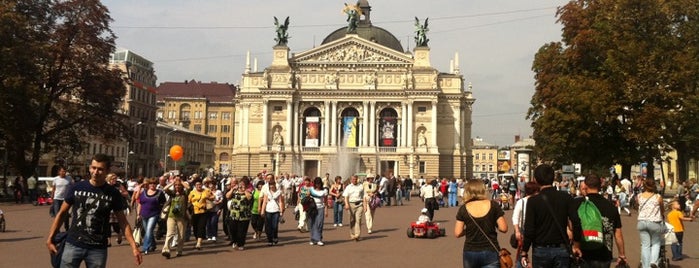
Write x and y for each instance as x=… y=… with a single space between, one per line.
x=592 y=227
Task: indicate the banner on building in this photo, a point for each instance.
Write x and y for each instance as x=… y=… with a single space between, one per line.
x=312 y=131
x=388 y=131
x=349 y=131
x=504 y=155
x=504 y=166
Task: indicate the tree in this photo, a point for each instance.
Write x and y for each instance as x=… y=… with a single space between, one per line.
x=57 y=89
x=620 y=85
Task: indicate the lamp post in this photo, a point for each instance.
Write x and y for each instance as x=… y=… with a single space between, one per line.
x=129 y=151
x=165 y=155
x=276 y=160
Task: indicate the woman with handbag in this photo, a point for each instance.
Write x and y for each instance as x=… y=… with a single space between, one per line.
x=429 y=193
x=150 y=202
x=338 y=201
x=650 y=223
x=370 y=202
x=198 y=198
x=176 y=215
x=477 y=220
x=240 y=207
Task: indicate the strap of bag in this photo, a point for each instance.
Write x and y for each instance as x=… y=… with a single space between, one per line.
x=558 y=225
x=481 y=229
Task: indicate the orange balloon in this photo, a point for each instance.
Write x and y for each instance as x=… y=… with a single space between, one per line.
x=176 y=152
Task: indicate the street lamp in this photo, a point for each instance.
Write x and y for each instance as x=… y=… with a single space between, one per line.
x=129 y=151
x=165 y=155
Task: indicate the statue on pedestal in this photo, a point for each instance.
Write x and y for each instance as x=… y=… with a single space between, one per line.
x=282 y=37
x=353 y=13
x=277 y=138
x=421 y=33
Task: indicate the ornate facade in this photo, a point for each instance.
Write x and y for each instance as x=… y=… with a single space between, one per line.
x=355 y=104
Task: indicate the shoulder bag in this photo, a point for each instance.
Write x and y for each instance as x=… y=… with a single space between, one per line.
x=504 y=254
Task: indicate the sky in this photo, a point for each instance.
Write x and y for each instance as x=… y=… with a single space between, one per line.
x=207 y=40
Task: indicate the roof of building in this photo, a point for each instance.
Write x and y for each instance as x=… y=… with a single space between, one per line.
x=478 y=143
x=526 y=142
x=213 y=91
x=367 y=31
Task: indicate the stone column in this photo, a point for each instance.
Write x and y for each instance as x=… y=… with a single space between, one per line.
x=289 y=122
x=365 y=124
x=296 y=132
x=326 y=125
x=404 y=125
x=411 y=128
x=333 y=123
x=372 y=123
x=434 y=124
x=246 y=110
x=265 y=123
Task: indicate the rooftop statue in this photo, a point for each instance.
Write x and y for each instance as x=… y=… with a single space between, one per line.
x=421 y=33
x=353 y=13
x=282 y=37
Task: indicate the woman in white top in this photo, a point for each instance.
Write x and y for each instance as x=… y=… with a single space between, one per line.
x=520 y=211
x=650 y=223
x=272 y=209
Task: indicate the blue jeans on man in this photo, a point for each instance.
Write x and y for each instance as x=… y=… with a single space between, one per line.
x=55 y=207
x=73 y=256
x=550 y=257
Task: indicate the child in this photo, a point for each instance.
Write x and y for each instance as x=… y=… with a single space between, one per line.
x=675 y=218
x=423 y=216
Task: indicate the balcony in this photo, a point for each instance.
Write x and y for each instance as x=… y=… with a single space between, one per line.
x=387 y=149
x=310 y=149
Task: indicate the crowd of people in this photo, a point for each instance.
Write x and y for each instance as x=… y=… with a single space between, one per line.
x=546 y=219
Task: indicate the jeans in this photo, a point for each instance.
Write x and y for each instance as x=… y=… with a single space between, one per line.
x=317 y=226
x=149 y=228
x=73 y=256
x=337 y=212
x=272 y=226
x=55 y=207
x=452 y=199
x=677 y=247
x=212 y=225
x=486 y=259
x=399 y=197
x=650 y=241
x=550 y=257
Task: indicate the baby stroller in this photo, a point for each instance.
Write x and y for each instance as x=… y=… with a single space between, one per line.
x=504 y=200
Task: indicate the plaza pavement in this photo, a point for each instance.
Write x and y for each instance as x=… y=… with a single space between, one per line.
x=23 y=244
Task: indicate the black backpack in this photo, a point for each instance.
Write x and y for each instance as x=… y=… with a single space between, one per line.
x=309 y=206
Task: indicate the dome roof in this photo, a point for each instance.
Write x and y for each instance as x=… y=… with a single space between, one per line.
x=368 y=32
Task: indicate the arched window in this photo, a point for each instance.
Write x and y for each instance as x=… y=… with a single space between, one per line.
x=387 y=128
x=311 y=125
x=350 y=130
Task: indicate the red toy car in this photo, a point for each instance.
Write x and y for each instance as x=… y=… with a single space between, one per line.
x=43 y=199
x=426 y=229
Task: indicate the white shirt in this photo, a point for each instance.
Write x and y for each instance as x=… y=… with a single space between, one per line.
x=519 y=212
x=383 y=184
x=427 y=191
x=353 y=192
x=60 y=187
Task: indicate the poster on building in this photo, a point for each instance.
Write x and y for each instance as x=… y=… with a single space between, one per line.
x=504 y=166
x=504 y=155
x=312 y=131
x=388 y=130
x=523 y=165
x=349 y=131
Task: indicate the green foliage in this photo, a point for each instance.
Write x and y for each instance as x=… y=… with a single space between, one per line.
x=56 y=87
x=620 y=87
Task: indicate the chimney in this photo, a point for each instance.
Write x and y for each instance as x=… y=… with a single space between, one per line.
x=516 y=138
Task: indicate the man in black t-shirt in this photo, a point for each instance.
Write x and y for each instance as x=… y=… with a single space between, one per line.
x=91 y=202
x=611 y=226
x=546 y=221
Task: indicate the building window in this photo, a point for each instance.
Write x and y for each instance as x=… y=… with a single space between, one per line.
x=476 y=168
x=198 y=115
x=483 y=167
x=226 y=115
x=213 y=115
x=490 y=156
x=212 y=129
x=277 y=108
x=224 y=140
x=478 y=157
x=421 y=109
x=197 y=128
x=185 y=115
x=159 y=115
x=225 y=129
x=171 y=115
x=490 y=167
x=421 y=167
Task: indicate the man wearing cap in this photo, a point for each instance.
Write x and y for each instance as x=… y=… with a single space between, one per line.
x=354 y=193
